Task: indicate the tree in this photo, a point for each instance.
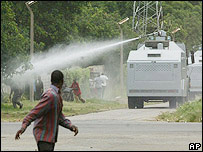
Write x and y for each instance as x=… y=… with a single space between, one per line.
x=186 y=16
x=13 y=44
x=65 y=22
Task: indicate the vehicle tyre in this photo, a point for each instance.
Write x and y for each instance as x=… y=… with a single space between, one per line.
x=131 y=103
x=187 y=98
x=184 y=99
x=181 y=100
x=140 y=103
x=172 y=103
x=191 y=96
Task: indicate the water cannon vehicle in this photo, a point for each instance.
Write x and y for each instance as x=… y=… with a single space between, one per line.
x=157 y=71
x=195 y=74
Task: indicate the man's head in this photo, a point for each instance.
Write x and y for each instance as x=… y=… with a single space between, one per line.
x=57 y=78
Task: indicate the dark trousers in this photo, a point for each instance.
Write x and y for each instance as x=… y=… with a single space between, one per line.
x=16 y=100
x=45 y=146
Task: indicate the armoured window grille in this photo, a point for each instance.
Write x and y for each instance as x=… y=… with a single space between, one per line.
x=153 y=67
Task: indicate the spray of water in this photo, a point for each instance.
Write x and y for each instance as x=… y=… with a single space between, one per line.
x=60 y=57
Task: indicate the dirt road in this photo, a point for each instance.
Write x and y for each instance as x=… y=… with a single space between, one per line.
x=124 y=129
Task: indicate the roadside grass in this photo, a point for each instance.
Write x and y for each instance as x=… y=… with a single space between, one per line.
x=91 y=105
x=8 y=113
x=188 y=112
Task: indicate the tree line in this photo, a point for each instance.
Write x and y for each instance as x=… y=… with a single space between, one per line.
x=65 y=22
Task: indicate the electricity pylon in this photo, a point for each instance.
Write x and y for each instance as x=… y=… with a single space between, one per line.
x=147 y=17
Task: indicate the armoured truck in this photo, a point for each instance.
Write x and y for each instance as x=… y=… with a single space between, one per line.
x=195 y=74
x=157 y=71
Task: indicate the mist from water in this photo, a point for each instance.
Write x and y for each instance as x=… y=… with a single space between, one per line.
x=60 y=57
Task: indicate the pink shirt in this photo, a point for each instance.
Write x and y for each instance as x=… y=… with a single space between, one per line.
x=47 y=116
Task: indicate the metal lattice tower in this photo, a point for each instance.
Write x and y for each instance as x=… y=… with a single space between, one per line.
x=147 y=17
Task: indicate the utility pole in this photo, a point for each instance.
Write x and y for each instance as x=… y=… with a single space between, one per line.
x=121 y=54
x=28 y=4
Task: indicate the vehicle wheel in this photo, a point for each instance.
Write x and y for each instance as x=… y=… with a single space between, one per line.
x=181 y=101
x=131 y=103
x=140 y=103
x=191 y=96
x=172 y=103
x=184 y=99
x=187 y=98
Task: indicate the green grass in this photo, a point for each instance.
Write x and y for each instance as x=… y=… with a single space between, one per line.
x=8 y=113
x=188 y=112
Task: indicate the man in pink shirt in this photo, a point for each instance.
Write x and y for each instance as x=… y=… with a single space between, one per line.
x=47 y=116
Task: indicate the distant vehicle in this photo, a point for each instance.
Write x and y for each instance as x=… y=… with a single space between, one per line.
x=157 y=71
x=195 y=74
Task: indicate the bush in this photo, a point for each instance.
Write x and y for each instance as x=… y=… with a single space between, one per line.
x=188 y=112
x=5 y=97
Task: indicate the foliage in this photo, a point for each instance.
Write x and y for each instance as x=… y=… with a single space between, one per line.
x=188 y=17
x=13 y=42
x=64 y=22
x=5 y=97
x=188 y=112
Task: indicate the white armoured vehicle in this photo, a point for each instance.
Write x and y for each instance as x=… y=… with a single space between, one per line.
x=157 y=71
x=195 y=74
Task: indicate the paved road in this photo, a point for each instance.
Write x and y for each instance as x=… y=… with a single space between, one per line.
x=125 y=129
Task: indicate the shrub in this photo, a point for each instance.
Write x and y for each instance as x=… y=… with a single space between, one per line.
x=188 y=112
